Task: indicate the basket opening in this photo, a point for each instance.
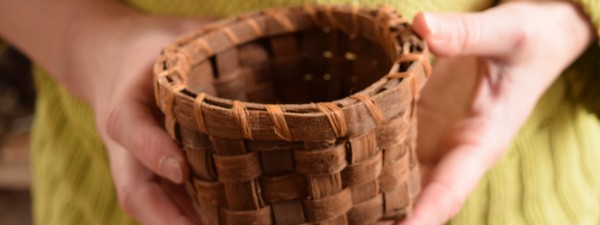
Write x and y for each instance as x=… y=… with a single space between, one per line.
x=313 y=66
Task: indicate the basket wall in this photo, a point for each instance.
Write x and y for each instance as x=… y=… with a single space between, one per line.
x=345 y=161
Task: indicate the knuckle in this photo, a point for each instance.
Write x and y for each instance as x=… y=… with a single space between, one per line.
x=491 y=141
x=522 y=34
x=111 y=123
x=141 y=143
x=469 y=31
x=450 y=200
x=115 y=122
x=125 y=197
x=483 y=142
x=523 y=23
x=454 y=201
x=455 y=206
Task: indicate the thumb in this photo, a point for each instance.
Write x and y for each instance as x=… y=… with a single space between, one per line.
x=132 y=126
x=481 y=33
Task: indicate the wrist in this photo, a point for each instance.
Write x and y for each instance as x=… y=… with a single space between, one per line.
x=89 y=44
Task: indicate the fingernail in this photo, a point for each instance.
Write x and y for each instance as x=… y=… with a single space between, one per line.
x=433 y=27
x=171 y=168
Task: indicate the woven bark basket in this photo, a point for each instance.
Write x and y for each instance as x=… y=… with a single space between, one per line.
x=298 y=115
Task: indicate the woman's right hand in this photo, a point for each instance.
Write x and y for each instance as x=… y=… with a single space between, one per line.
x=141 y=153
x=102 y=52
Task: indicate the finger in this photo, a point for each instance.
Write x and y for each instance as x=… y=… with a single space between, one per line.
x=133 y=127
x=481 y=33
x=471 y=146
x=140 y=195
x=444 y=100
x=474 y=147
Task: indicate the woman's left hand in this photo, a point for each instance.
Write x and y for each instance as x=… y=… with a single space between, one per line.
x=492 y=68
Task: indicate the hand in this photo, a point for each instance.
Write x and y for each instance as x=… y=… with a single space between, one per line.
x=116 y=60
x=102 y=51
x=492 y=68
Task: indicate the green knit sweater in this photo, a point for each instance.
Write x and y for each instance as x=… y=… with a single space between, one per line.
x=548 y=176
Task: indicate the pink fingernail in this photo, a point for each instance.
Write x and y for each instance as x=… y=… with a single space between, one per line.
x=432 y=25
x=434 y=29
x=171 y=168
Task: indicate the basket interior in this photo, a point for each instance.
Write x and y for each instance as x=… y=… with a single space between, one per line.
x=316 y=65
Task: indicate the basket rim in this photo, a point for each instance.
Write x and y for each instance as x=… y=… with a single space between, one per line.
x=170 y=83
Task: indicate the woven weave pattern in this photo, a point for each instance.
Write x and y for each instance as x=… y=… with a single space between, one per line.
x=262 y=152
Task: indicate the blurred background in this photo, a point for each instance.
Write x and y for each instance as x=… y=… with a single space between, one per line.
x=17 y=98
